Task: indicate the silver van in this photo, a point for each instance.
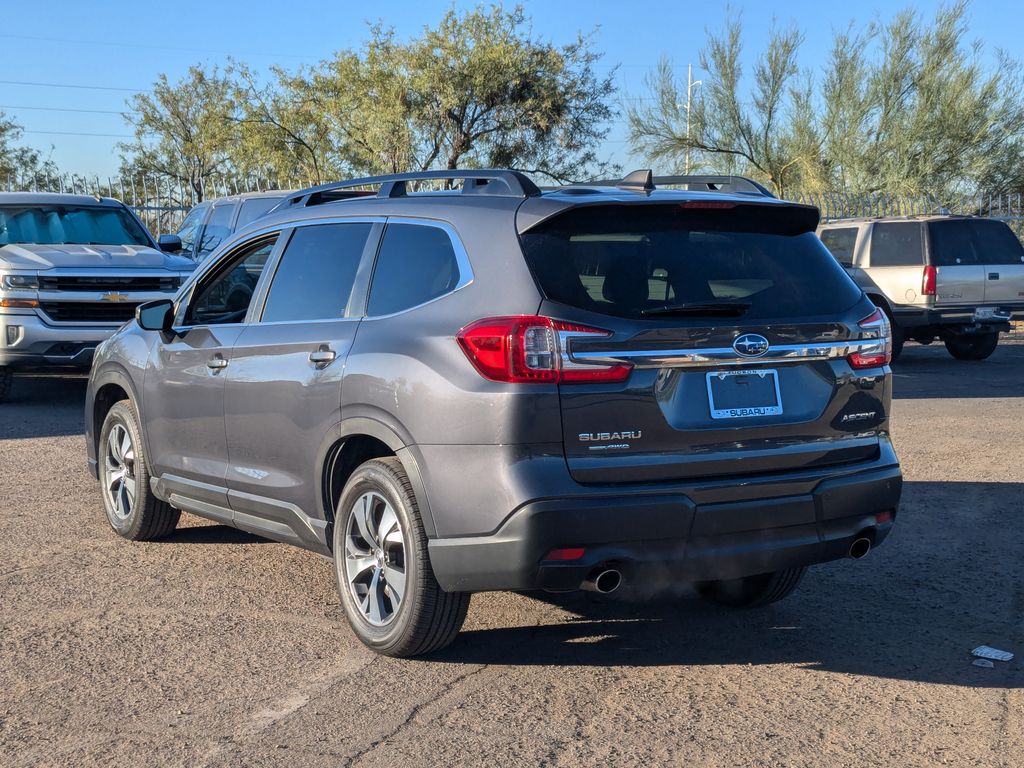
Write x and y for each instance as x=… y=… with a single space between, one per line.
x=959 y=279
x=212 y=221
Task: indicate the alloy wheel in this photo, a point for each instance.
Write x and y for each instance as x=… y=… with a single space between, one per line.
x=375 y=559
x=119 y=472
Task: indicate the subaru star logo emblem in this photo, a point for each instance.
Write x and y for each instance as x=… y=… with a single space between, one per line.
x=751 y=345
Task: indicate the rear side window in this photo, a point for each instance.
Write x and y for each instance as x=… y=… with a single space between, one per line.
x=896 y=244
x=415 y=264
x=625 y=260
x=317 y=270
x=841 y=242
x=254 y=208
x=973 y=241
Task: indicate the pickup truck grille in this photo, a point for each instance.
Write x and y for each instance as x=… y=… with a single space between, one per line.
x=88 y=312
x=148 y=283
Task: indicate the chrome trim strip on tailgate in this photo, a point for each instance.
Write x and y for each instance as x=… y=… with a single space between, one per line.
x=698 y=358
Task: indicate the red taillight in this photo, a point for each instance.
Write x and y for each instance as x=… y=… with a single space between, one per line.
x=525 y=349
x=568 y=553
x=928 y=281
x=880 y=353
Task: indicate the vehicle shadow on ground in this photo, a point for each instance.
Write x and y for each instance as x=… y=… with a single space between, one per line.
x=212 y=534
x=947 y=580
x=44 y=406
x=930 y=372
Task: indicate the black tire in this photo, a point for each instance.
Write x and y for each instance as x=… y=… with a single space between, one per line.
x=6 y=382
x=973 y=346
x=147 y=517
x=752 y=591
x=426 y=618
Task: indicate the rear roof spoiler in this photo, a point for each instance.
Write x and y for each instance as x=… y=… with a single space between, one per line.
x=644 y=181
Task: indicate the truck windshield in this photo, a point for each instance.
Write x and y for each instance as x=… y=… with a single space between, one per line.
x=69 y=224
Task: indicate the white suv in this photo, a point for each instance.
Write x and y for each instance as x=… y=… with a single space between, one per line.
x=958 y=279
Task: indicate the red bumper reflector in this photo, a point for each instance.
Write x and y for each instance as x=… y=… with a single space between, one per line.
x=569 y=553
x=883 y=517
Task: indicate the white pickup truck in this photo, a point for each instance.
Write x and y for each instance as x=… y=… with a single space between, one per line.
x=72 y=270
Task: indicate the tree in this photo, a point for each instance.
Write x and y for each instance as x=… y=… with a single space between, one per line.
x=751 y=138
x=21 y=166
x=184 y=131
x=903 y=107
x=478 y=90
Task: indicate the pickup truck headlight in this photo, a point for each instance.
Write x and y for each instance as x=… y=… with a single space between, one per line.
x=21 y=282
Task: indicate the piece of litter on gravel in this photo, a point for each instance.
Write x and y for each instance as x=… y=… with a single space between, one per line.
x=987 y=652
x=987 y=663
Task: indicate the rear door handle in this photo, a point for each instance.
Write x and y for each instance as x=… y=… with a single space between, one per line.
x=321 y=358
x=216 y=363
x=993 y=275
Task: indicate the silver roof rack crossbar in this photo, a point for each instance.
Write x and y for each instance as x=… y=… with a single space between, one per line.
x=507 y=183
x=645 y=182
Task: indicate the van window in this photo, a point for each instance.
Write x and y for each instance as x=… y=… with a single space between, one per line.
x=217 y=229
x=896 y=244
x=840 y=242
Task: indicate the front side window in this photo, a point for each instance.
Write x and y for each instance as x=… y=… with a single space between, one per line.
x=896 y=244
x=317 y=271
x=224 y=295
x=190 y=230
x=70 y=225
x=840 y=243
x=415 y=264
x=217 y=230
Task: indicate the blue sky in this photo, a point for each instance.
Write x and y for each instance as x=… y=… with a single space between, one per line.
x=116 y=45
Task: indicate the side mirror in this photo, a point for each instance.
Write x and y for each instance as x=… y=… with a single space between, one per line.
x=169 y=243
x=155 y=315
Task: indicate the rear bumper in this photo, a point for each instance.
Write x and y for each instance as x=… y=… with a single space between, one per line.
x=957 y=319
x=38 y=346
x=671 y=533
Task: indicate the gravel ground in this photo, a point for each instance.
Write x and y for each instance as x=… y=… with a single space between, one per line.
x=216 y=648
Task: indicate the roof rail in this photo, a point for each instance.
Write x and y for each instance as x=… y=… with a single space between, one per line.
x=507 y=183
x=645 y=181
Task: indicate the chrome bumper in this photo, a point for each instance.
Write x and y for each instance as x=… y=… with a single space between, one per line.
x=26 y=341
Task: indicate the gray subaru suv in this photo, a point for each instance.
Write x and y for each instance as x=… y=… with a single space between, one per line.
x=462 y=383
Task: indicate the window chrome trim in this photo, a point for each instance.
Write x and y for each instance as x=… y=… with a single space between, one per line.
x=724 y=356
x=462 y=262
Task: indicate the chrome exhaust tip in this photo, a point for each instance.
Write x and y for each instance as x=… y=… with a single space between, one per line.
x=604 y=581
x=860 y=547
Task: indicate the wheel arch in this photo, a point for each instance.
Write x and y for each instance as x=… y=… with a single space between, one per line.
x=349 y=444
x=108 y=387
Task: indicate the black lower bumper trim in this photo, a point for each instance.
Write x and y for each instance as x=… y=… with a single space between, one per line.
x=670 y=532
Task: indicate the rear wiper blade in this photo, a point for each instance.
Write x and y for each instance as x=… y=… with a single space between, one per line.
x=705 y=309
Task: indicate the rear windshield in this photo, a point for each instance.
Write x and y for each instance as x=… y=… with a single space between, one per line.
x=625 y=260
x=69 y=224
x=973 y=241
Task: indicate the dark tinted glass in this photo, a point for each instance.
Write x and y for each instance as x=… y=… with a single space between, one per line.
x=415 y=264
x=996 y=243
x=217 y=229
x=623 y=260
x=254 y=208
x=951 y=244
x=840 y=242
x=224 y=297
x=896 y=244
x=314 y=279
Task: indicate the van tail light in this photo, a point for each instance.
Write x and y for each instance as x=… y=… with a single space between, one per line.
x=524 y=349
x=928 y=281
x=876 y=325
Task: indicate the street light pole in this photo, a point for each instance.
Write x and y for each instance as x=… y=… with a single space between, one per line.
x=690 y=83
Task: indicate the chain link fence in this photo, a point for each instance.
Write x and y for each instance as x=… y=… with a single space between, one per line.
x=162 y=202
